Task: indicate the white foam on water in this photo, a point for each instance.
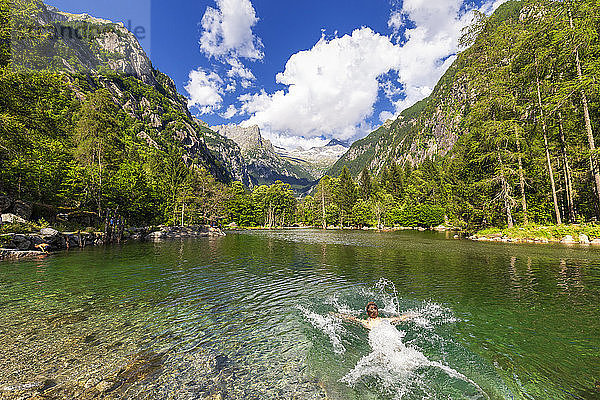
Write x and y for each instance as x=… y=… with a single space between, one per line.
x=432 y=314
x=329 y=325
x=395 y=366
x=341 y=307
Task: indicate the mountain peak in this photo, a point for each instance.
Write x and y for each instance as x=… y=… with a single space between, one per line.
x=336 y=142
x=248 y=138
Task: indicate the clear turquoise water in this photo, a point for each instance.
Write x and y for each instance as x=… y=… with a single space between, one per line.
x=248 y=316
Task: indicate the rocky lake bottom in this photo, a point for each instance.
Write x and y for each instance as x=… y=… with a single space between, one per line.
x=248 y=316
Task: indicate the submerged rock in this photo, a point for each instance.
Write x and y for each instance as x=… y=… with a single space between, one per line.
x=145 y=365
x=58 y=320
x=46 y=384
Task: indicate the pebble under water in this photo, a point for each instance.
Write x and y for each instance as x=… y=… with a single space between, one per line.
x=253 y=316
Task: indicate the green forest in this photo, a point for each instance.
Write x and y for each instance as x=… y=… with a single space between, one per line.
x=527 y=154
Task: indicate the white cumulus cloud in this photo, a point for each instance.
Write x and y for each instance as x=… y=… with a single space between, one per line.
x=205 y=90
x=227 y=37
x=227 y=31
x=238 y=70
x=331 y=88
x=230 y=112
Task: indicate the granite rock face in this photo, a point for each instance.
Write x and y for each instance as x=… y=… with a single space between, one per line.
x=110 y=57
x=119 y=49
x=318 y=159
x=264 y=164
x=227 y=150
x=249 y=139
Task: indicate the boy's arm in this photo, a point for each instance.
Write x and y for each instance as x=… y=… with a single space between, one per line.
x=349 y=318
x=401 y=318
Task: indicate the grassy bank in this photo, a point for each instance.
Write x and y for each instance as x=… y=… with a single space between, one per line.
x=552 y=233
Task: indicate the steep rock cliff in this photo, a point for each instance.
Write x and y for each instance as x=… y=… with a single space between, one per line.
x=92 y=53
x=264 y=164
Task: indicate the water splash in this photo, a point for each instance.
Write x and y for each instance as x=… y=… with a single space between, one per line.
x=432 y=314
x=395 y=367
x=327 y=324
x=340 y=306
x=399 y=369
x=390 y=300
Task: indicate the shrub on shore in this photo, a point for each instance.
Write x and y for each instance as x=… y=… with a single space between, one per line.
x=551 y=232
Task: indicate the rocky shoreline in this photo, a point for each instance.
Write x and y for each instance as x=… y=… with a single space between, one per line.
x=567 y=239
x=16 y=246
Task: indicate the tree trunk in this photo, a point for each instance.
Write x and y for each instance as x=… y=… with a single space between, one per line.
x=566 y=171
x=586 y=117
x=548 y=160
x=182 y=212
x=505 y=193
x=323 y=203
x=100 y=188
x=521 y=180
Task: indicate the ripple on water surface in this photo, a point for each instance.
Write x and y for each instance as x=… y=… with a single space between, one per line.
x=248 y=316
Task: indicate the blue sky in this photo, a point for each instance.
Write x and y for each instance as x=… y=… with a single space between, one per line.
x=304 y=71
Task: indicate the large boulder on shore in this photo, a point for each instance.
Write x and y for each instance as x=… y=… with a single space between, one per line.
x=21 y=242
x=5 y=203
x=156 y=235
x=22 y=209
x=192 y=231
x=584 y=239
x=11 y=254
x=567 y=240
x=49 y=232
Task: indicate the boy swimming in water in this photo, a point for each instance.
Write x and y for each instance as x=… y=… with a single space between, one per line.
x=373 y=320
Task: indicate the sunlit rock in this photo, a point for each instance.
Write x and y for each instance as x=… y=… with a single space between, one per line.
x=567 y=240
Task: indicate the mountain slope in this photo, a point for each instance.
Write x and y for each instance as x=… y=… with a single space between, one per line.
x=265 y=164
x=53 y=67
x=318 y=159
x=428 y=129
x=92 y=53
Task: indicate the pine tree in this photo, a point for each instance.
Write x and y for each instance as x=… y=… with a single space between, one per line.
x=345 y=195
x=96 y=136
x=365 y=186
